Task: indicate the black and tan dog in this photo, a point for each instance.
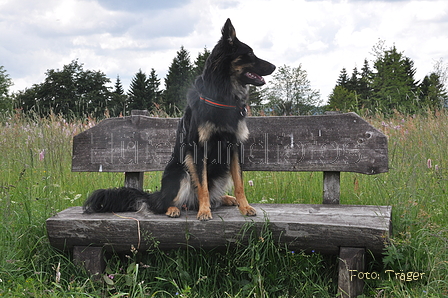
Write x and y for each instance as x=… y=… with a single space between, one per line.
x=206 y=158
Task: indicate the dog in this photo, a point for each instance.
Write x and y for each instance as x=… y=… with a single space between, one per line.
x=206 y=156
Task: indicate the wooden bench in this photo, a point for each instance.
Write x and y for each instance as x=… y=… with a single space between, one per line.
x=331 y=144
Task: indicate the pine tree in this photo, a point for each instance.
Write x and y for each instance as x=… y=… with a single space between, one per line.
x=343 y=78
x=177 y=82
x=138 y=97
x=343 y=98
x=118 y=86
x=393 y=82
x=199 y=63
x=353 y=82
x=155 y=95
x=364 y=86
x=432 y=92
x=117 y=104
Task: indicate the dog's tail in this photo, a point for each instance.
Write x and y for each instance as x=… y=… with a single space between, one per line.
x=122 y=200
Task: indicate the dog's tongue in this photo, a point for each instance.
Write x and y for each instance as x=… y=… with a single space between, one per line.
x=254 y=76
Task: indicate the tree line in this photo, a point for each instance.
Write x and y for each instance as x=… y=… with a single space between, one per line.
x=390 y=86
x=78 y=93
x=75 y=92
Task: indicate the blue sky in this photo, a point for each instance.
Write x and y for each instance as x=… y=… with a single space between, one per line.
x=120 y=37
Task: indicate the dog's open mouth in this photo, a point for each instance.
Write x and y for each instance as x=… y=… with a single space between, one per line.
x=255 y=79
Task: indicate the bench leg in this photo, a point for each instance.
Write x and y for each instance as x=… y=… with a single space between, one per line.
x=332 y=187
x=133 y=180
x=90 y=257
x=351 y=262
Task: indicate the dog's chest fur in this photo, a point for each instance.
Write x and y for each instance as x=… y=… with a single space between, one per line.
x=208 y=129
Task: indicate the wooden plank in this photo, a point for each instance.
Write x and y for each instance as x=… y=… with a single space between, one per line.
x=341 y=142
x=322 y=228
x=128 y=144
x=351 y=259
x=90 y=257
x=332 y=187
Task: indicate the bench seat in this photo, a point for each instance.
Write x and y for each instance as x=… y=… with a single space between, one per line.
x=320 y=228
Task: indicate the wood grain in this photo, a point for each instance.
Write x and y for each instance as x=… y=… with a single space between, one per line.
x=332 y=143
x=319 y=228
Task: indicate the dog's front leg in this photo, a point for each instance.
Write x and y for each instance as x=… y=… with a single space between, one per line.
x=204 y=212
x=199 y=177
x=240 y=196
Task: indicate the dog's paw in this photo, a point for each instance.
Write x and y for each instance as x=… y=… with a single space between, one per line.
x=173 y=212
x=204 y=215
x=229 y=201
x=248 y=210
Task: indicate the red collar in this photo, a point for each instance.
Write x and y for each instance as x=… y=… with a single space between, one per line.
x=242 y=109
x=211 y=102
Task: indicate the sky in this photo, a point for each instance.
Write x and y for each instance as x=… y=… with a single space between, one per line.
x=120 y=37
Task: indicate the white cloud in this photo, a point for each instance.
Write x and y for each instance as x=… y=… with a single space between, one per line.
x=120 y=37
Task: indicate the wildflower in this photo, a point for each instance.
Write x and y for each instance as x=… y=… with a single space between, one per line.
x=436 y=167
x=428 y=163
x=251 y=183
x=111 y=276
x=42 y=154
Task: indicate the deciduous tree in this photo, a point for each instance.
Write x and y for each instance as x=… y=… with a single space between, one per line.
x=290 y=93
x=71 y=91
x=5 y=84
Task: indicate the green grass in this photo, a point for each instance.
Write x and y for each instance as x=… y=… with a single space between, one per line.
x=36 y=183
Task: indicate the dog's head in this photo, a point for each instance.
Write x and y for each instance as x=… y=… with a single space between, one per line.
x=237 y=60
x=245 y=66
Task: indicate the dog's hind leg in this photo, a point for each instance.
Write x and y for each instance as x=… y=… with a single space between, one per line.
x=229 y=201
x=240 y=196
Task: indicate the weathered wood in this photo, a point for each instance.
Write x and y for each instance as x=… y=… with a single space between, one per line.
x=322 y=228
x=341 y=142
x=139 y=112
x=351 y=262
x=134 y=180
x=332 y=187
x=90 y=257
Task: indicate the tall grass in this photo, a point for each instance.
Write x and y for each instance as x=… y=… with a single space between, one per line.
x=36 y=183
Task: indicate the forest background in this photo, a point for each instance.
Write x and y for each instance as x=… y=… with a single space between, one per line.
x=383 y=85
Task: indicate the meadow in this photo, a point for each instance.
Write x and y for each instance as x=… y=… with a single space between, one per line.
x=36 y=182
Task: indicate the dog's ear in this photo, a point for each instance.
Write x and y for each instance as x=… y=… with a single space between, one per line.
x=228 y=32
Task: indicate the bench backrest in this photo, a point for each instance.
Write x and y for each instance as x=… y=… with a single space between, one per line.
x=330 y=143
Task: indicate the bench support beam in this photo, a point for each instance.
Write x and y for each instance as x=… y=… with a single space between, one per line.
x=351 y=261
x=133 y=180
x=90 y=257
x=332 y=187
